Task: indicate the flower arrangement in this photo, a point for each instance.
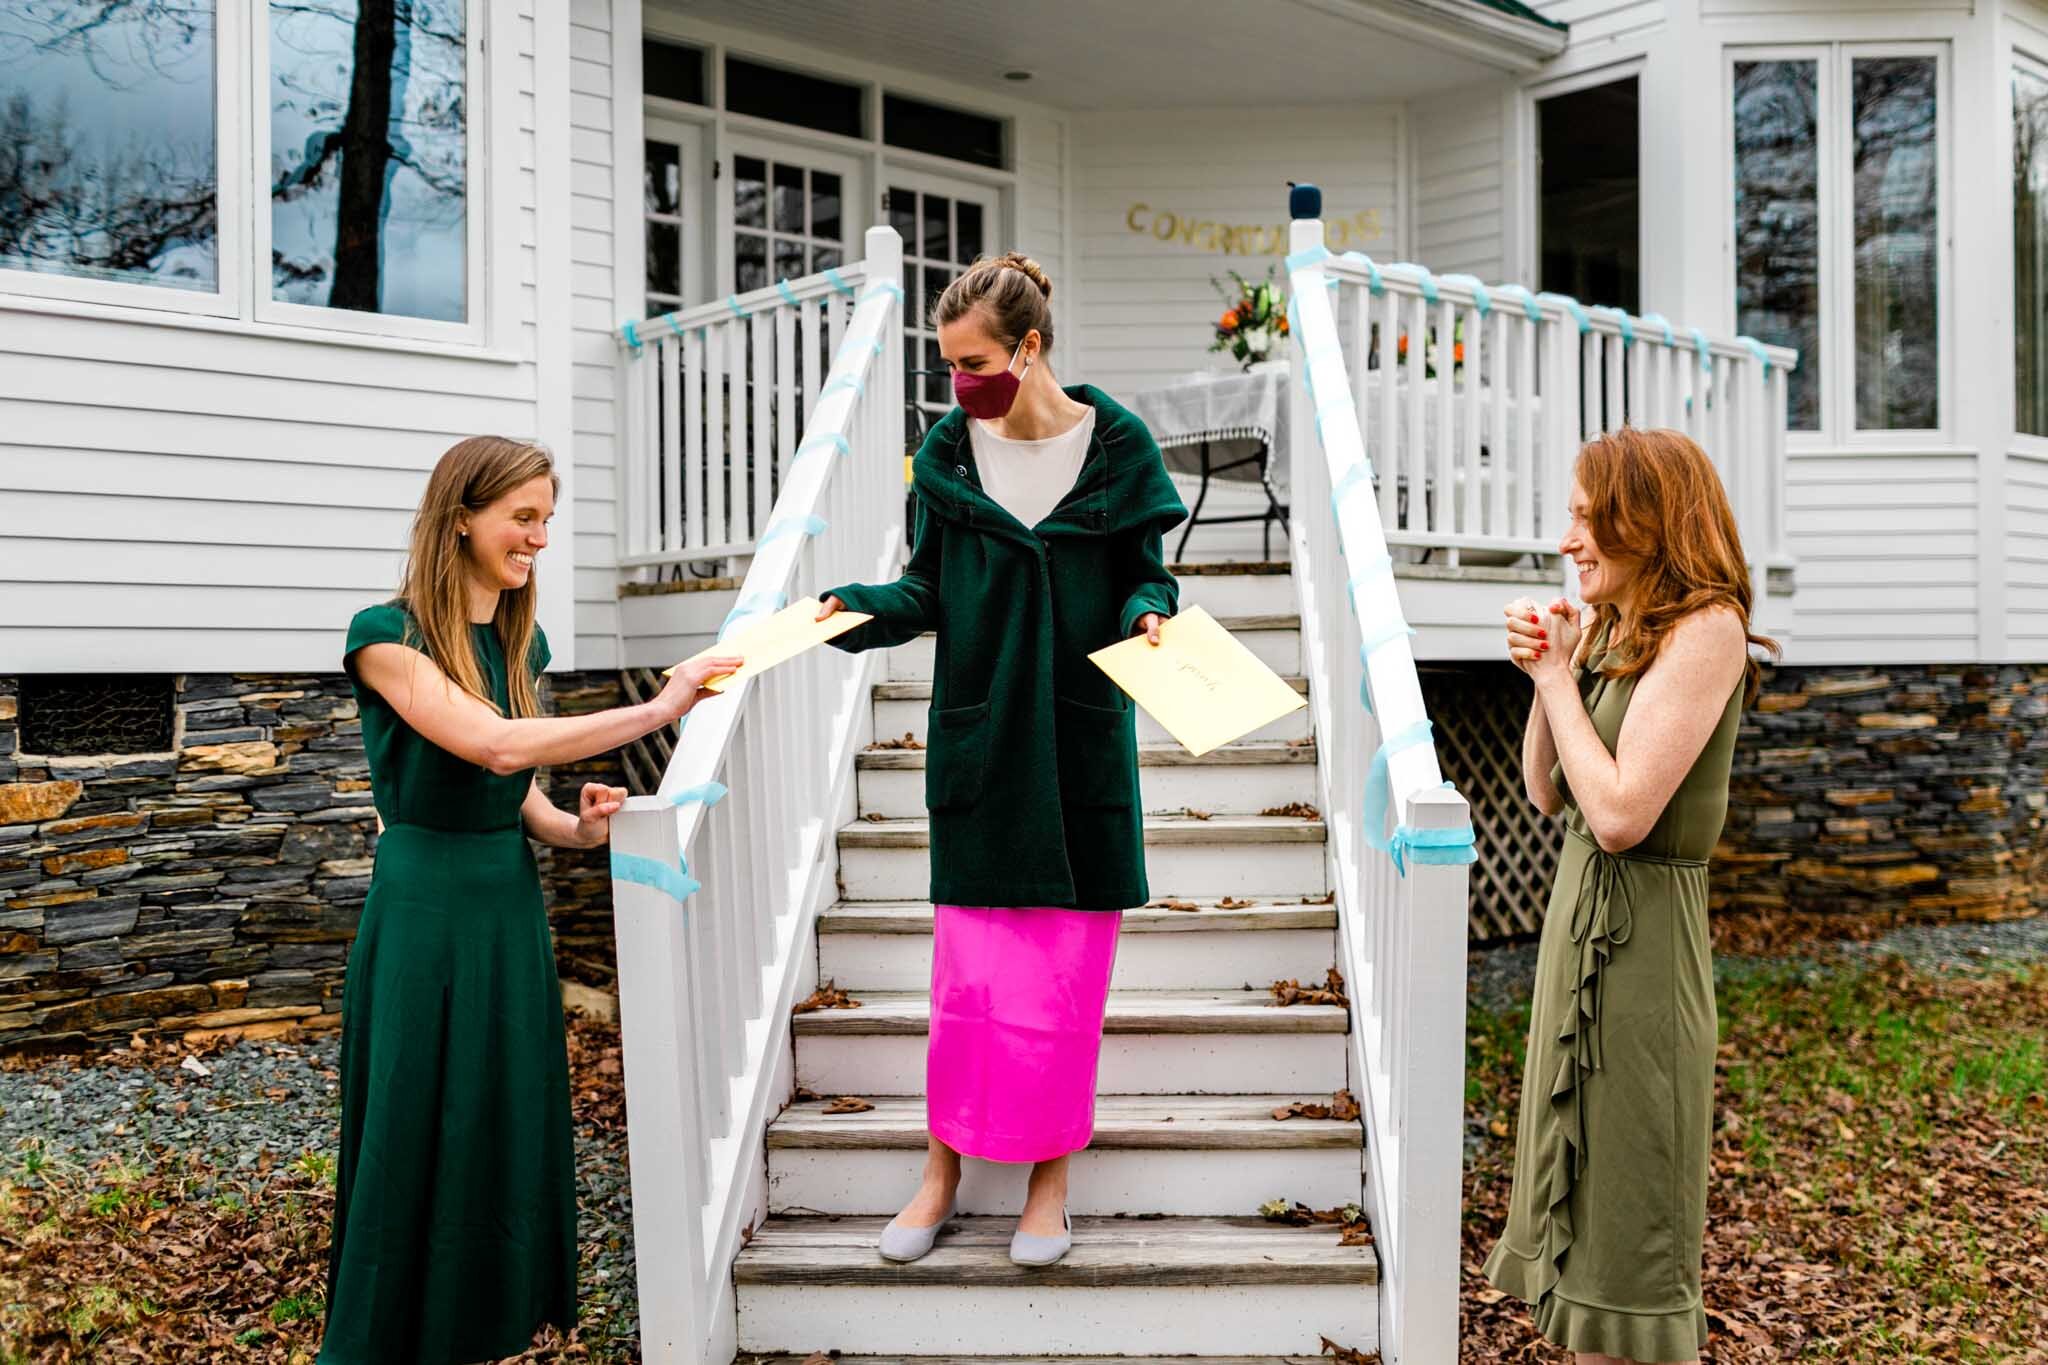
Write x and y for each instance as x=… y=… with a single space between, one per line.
x=1429 y=352
x=1255 y=323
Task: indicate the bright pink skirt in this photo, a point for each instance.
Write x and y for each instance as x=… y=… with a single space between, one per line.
x=1016 y=1031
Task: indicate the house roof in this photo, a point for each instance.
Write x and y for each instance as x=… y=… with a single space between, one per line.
x=1521 y=11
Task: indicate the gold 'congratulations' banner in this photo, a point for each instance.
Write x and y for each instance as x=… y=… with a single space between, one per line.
x=1246 y=239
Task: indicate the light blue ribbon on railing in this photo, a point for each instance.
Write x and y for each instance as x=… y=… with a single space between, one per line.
x=1381 y=567
x=632 y=333
x=1307 y=256
x=1699 y=343
x=833 y=277
x=1570 y=305
x=710 y=793
x=844 y=381
x=1384 y=636
x=732 y=301
x=852 y=344
x=788 y=294
x=823 y=440
x=1622 y=320
x=1422 y=278
x=791 y=526
x=752 y=606
x=643 y=871
x=1670 y=338
x=1356 y=477
x=1379 y=785
x=1374 y=284
x=884 y=287
x=1441 y=846
x=1756 y=348
x=1480 y=298
x=1532 y=309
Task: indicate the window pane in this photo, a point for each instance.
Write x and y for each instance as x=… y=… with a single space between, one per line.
x=789 y=258
x=750 y=261
x=903 y=215
x=369 y=168
x=1589 y=187
x=825 y=205
x=672 y=71
x=663 y=179
x=789 y=198
x=792 y=97
x=967 y=234
x=938 y=386
x=749 y=192
x=935 y=282
x=938 y=213
x=2030 y=248
x=1892 y=102
x=826 y=258
x=107 y=142
x=664 y=258
x=942 y=132
x=1777 y=220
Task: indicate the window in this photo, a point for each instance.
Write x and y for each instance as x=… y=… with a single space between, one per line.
x=792 y=97
x=369 y=156
x=1838 y=190
x=2030 y=247
x=787 y=221
x=1777 y=220
x=672 y=71
x=109 y=146
x=922 y=127
x=1589 y=172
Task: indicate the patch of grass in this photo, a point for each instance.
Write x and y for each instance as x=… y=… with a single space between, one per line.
x=297 y=1308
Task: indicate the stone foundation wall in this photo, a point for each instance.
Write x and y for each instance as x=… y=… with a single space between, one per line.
x=217 y=885
x=1891 y=793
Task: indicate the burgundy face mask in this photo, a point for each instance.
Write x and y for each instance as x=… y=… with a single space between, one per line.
x=990 y=396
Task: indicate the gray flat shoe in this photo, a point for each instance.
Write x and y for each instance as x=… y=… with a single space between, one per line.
x=900 y=1243
x=1026 y=1249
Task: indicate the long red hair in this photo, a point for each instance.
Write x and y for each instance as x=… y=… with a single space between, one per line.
x=1655 y=503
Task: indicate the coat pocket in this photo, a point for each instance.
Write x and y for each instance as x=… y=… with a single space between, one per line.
x=1097 y=756
x=956 y=757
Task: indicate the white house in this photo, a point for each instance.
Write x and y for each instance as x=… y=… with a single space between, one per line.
x=261 y=263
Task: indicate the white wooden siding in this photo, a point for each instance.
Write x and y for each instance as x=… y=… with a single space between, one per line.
x=2026 y=532
x=1887 y=551
x=196 y=496
x=1144 y=308
x=1461 y=182
x=1042 y=216
x=595 y=311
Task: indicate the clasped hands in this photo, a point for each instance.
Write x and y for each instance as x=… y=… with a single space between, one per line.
x=1544 y=640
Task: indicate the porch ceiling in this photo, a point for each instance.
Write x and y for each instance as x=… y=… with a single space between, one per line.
x=1163 y=54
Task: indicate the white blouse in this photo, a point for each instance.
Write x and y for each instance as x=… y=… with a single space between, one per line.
x=1027 y=479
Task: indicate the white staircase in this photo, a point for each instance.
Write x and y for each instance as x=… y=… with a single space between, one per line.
x=1171 y=1257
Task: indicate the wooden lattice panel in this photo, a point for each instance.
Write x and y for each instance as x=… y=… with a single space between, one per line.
x=1479 y=710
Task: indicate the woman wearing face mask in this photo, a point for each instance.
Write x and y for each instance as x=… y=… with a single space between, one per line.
x=1039 y=522
x=1631 y=736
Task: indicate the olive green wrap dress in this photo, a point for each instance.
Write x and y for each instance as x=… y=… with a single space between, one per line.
x=1608 y=1210
x=455 y=1207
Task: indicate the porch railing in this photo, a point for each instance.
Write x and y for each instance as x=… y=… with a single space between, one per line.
x=1399 y=837
x=716 y=397
x=717 y=880
x=1475 y=400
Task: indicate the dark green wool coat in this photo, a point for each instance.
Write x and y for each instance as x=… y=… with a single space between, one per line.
x=1031 y=769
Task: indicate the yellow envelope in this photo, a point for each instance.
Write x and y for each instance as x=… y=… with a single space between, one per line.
x=1199 y=682
x=771 y=640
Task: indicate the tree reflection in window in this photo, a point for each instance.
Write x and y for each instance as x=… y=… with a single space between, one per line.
x=369 y=155
x=1897 y=356
x=1777 y=220
x=2030 y=249
x=107 y=143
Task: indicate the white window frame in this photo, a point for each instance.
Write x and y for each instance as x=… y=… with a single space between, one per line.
x=230 y=80
x=478 y=115
x=241 y=301
x=819 y=152
x=687 y=136
x=953 y=187
x=1837 y=321
x=1529 y=173
x=2023 y=59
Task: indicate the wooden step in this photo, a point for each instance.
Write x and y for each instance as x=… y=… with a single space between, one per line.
x=902 y=707
x=1129 y=1286
x=889 y=947
x=1229 y=855
x=1238 y=779
x=1219 y=1155
x=1154 y=1043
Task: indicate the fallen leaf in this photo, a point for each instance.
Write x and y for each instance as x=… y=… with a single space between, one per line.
x=848 y=1104
x=909 y=741
x=1175 y=905
x=195 y=1066
x=1345 y=1355
x=1300 y=810
x=1331 y=992
x=1194 y=814
x=827 y=997
x=1232 y=903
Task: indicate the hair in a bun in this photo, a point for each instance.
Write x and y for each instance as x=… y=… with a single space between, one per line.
x=1012 y=290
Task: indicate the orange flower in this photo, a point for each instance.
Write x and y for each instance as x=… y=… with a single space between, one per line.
x=1404 y=345
x=1282 y=324
x=1458 y=353
x=1229 y=322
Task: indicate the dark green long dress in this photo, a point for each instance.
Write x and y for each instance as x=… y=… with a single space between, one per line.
x=455 y=1216
x=1608 y=1211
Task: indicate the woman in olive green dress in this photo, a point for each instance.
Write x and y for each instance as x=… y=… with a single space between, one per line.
x=1631 y=735
x=455 y=1213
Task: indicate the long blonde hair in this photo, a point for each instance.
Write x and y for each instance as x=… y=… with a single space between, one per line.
x=435 y=589
x=1654 y=502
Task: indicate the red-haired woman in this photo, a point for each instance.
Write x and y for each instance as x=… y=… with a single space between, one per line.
x=1631 y=735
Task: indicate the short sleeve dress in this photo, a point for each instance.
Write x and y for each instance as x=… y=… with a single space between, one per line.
x=455 y=1213
x=1609 y=1206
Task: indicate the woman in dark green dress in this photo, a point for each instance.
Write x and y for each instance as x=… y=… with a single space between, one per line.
x=455 y=1216
x=1631 y=736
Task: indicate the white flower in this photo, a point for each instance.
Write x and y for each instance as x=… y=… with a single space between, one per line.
x=1256 y=339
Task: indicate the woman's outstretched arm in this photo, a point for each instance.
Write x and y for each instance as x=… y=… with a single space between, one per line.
x=1678 y=703
x=468 y=728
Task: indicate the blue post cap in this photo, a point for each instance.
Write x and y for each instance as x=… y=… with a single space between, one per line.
x=1304 y=201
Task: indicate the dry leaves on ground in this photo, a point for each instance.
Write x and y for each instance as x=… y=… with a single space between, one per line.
x=1175 y=905
x=829 y=996
x=1194 y=814
x=848 y=1104
x=1300 y=810
x=1233 y=903
x=909 y=741
x=1345 y=1355
x=1331 y=992
x=1341 y=1106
